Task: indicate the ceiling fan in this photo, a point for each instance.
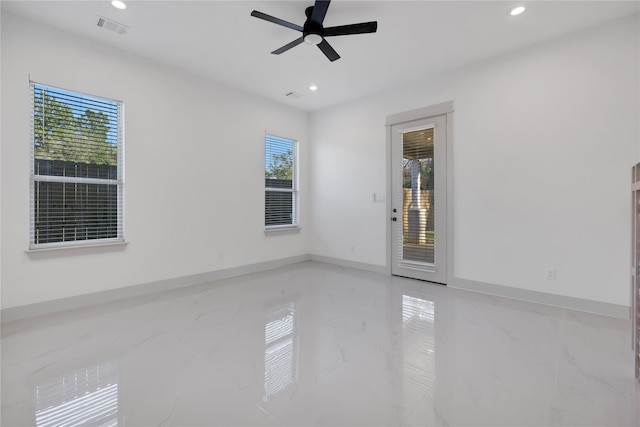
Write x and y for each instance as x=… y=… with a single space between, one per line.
x=314 y=33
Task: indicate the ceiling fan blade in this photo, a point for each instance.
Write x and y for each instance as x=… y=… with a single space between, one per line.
x=276 y=20
x=329 y=52
x=320 y=10
x=343 y=30
x=288 y=46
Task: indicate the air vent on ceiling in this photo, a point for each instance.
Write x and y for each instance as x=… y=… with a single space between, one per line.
x=111 y=25
x=293 y=95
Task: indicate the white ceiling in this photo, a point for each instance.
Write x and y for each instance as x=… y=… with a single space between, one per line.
x=220 y=39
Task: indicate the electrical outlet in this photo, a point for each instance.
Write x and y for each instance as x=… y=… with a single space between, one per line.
x=550 y=274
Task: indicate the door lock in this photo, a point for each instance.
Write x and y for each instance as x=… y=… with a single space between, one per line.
x=394 y=219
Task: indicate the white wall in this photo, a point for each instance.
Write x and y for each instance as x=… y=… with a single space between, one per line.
x=544 y=139
x=543 y=142
x=194 y=169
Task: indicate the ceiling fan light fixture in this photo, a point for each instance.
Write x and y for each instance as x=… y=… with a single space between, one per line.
x=313 y=39
x=118 y=4
x=517 y=10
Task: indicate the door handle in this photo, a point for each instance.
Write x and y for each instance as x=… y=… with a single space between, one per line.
x=394 y=219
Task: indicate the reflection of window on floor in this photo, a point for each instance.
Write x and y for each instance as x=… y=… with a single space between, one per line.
x=416 y=308
x=281 y=349
x=87 y=396
x=419 y=345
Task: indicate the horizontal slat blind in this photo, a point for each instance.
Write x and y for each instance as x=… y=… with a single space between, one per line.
x=77 y=171
x=281 y=182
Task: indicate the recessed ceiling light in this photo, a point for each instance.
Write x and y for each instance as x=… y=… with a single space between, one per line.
x=517 y=10
x=118 y=4
x=313 y=87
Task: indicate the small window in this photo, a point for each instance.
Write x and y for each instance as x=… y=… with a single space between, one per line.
x=281 y=183
x=77 y=169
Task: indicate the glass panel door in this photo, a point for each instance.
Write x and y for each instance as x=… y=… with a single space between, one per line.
x=418 y=180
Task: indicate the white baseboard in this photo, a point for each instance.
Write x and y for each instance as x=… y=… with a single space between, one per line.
x=381 y=269
x=573 y=303
x=48 y=307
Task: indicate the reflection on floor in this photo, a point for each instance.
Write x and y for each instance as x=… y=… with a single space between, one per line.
x=314 y=344
x=85 y=396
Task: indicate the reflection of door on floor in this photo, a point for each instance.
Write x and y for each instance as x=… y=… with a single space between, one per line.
x=419 y=199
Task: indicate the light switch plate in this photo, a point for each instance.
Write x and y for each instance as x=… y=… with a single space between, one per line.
x=378 y=197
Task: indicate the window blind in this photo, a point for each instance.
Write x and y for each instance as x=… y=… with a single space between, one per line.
x=77 y=175
x=281 y=182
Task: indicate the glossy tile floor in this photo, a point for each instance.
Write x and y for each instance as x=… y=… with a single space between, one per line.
x=313 y=344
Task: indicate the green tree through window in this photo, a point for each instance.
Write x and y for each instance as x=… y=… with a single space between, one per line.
x=64 y=132
x=280 y=166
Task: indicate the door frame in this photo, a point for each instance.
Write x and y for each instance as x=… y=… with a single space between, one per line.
x=443 y=109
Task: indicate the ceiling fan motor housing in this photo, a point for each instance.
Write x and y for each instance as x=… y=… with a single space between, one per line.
x=312 y=31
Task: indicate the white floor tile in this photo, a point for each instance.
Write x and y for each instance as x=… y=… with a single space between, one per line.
x=319 y=345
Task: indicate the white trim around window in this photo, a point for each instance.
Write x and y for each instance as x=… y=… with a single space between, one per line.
x=282 y=194
x=76 y=169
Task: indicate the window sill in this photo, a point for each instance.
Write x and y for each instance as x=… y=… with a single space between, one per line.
x=63 y=247
x=278 y=229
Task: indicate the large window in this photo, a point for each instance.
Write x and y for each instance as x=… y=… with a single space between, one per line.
x=77 y=169
x=281 y=183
